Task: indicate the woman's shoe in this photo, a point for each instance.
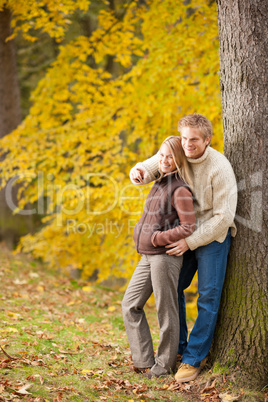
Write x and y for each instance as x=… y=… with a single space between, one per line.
x=140 y=370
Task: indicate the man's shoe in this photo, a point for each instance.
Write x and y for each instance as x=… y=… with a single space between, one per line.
x=187 y=373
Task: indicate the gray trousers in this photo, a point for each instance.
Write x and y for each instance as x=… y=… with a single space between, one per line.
x=158 y=274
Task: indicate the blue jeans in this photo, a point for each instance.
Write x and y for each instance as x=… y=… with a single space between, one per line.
x=210 y=261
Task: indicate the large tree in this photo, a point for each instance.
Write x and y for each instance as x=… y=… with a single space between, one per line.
x=87 y=127
x=241 y=335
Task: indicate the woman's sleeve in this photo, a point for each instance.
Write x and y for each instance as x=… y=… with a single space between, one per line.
x=182 y=201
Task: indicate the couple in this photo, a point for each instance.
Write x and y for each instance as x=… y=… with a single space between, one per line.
x=196 y=187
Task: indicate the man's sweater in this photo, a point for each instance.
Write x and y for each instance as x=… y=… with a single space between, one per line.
x=215 y=196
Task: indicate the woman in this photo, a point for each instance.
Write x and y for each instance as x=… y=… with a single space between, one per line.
x=168 y=216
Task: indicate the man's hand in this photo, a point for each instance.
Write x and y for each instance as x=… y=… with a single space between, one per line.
x=137 y=174
x=177 y=248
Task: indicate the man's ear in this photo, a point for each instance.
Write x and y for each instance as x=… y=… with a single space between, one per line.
x=207 y=140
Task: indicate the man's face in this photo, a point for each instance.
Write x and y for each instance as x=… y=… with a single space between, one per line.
x=193 y=142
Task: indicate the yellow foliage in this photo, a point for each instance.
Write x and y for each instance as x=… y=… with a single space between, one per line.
x=87 y=128
x=50 y=16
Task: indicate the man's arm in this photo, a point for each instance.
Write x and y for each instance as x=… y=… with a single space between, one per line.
x=145 y=172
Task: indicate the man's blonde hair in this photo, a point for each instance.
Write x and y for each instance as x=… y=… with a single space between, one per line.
x=197 y=121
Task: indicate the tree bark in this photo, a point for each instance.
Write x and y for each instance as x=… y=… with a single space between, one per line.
x=242 y=328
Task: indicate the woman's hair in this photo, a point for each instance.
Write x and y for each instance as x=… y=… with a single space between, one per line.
x=182 y=165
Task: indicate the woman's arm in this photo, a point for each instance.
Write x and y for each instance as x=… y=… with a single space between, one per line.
x=182 y=201
x=145 y=172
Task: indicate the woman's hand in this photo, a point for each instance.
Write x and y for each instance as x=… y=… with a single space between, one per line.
x=178 y=248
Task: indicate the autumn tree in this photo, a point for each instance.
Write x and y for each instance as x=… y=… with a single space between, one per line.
x=28 y=18
x=87 y=127
x=242 y=330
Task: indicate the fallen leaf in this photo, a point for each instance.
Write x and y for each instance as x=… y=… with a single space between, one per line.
x=59 y=397
x=10 y=329
x=165 y=387
x=174 y=387
x=18 y=282
x=23 y=390
x=111 y=308
x=209 y=387
x=80 y=320
x=69 y=353
x=13 y=315
x=33 y=275
x=87 y=372
x=228 y=398
x=87 y=288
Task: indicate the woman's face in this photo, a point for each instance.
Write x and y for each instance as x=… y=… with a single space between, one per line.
x=167 y=163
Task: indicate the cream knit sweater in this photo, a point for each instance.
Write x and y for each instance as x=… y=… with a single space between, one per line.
x=215 y=196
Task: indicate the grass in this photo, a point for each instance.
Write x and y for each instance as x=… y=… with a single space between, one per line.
x=64 y=340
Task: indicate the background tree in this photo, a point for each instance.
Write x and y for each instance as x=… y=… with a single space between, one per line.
x=87 y=127
x=28 y=19
x=241 y=335
x=10 y=117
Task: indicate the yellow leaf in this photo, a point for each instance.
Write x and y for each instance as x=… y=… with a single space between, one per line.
x=9 y=330
x=13 y=315
x=165 y=386
x=87 y=288
x=111 y=308
x=87 y=371
x=71 y=303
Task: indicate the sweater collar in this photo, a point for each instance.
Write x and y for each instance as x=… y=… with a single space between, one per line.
x=202 y=158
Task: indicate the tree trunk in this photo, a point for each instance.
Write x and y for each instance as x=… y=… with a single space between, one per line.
x=11 y=227
x=241 y=333
x=10 y=113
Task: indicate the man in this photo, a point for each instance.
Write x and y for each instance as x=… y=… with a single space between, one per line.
x=206 y=250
